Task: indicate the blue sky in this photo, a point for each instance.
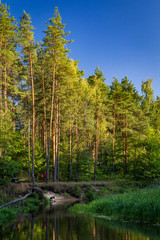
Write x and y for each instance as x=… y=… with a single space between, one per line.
x=122 y=37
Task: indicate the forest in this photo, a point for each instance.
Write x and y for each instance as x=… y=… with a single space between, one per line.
x=54 y=120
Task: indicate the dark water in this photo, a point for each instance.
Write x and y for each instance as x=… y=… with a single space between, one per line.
x=58 y=224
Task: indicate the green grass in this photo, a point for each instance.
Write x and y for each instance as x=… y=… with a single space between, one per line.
x=141 y=205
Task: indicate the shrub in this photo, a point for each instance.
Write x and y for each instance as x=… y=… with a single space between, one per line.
x=78 y=191
x=89 y=194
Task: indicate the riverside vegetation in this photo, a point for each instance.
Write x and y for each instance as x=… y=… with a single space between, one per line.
x=140 y=205
x=85 y=191
x=8 y=214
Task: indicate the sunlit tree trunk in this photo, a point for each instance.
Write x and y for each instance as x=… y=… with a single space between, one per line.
x=13 y=109
x=45 y=121
x=45 y=127
x=59 y=136
x=29 y=140
x=51 y=117
x=78 y=150
x=56 y=135
x=126 y=145
x=33 y=118
x=53 y=147
x=0 y=77
x=96 y=143
x=5 y=89
x=70 y=150
x=113 y=138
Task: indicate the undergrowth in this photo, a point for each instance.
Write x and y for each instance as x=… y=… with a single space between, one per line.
x=8 y=214
x=141 y=205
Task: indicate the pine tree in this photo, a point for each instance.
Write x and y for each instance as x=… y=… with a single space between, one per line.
x=98 y=86
x=27 y=44
x=54 y=43
x=8 y=70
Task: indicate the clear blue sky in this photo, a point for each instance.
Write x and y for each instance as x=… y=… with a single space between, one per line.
x=122 y=37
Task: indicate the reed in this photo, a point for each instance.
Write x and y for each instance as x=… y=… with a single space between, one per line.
x=141 y=205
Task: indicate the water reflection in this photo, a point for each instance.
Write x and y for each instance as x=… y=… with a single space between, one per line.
x=56 y=224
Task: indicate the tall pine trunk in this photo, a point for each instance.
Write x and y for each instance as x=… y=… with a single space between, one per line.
x=56 y=142
x=113 y=137
x=33 y=118
x=5 y=89
x=78 y=150
x=53 y=147
x=59 y=136
x=56 y=137
x=45 y=126
x=13 y=109
x=0 y=95
x=51 y=117
x=0 y=77
x=126 y=144
x=29 y=140
x=96 y=144
x=70 y=150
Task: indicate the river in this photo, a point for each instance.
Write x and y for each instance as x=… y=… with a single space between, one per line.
x=57 y=223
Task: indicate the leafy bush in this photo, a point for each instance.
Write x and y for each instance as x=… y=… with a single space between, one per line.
x=7 y=215
x=102 y=192
x=78 y=191
x=89 y=194
x=9 y=169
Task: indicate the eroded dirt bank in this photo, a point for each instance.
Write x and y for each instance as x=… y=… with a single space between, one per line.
x=62 y=190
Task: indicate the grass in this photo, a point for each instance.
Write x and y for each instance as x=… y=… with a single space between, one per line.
x=141 y=205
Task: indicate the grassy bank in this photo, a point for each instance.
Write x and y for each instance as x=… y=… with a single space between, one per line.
x=7 y=215
x=140 y=205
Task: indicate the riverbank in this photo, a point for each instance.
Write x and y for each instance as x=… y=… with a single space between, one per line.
x=62 y=191
x=82 y=190
x=8 y=214
x=140 y=205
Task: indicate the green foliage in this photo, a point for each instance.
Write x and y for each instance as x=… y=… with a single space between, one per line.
x=91 y=130
x=40 y=163
x=33 y=204
x=4 y=197
x=141 y=205
x=9 y=169
x=78 y=191
x=7 y=215
x=89 y=194
x=102 y=192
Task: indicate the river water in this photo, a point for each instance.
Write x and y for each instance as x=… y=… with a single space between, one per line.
x=56 y=223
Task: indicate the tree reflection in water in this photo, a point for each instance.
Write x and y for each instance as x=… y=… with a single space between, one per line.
x=61 y=225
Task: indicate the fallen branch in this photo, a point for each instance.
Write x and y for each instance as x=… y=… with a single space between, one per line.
x=17 y=200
